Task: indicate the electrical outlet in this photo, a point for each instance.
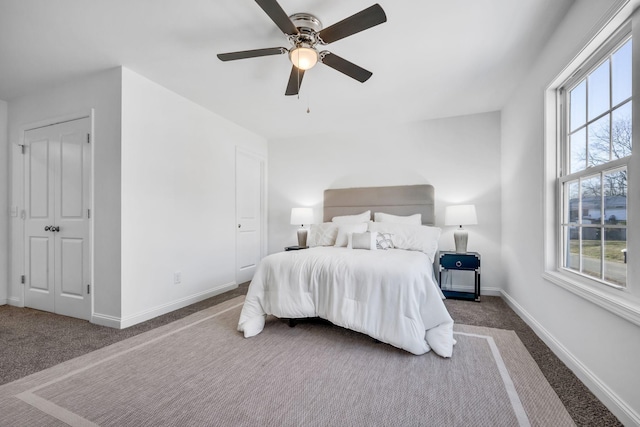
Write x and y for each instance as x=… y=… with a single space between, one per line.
x=177 y=277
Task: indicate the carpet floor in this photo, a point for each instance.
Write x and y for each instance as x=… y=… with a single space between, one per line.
x=31 y=341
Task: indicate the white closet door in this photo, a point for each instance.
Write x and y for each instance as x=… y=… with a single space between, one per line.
x=249 y=213
x=62 y=153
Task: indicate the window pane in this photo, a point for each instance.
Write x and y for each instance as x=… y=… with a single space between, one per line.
x=621 y=131
x=621 y=73
x=578 y=106
x=572 y=260
x=615 y=198
x=591 y=252
x=572 y=189
x=598 y=82
x=578 y=142
x=591 y=201
x=615 y=261
x=599 y=135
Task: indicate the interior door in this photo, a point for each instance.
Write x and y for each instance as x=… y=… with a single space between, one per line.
x=249 y=214
x=57 y=193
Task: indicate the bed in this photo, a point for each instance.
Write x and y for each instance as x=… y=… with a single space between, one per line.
x=372 y=277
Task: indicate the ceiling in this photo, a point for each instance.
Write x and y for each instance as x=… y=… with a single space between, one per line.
x=432 y=58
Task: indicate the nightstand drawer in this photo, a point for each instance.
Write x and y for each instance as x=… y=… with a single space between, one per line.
x=452 y=261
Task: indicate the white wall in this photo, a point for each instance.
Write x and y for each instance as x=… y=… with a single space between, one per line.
x=178 y=199
x=4 y=205
x=602 y=348
x=459 y=156
x=100 y=92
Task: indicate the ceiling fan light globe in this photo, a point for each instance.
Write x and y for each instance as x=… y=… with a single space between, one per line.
x=303 y=57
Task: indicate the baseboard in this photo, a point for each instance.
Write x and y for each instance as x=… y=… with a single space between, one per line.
x=106 y=320
x=125 y=322
x=4 y=301
x=14 y=301
x=608 y=397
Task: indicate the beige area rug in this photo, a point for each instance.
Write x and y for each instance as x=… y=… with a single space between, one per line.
x=199 y=371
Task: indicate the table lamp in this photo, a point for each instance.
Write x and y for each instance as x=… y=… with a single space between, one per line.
x=460 y=215
x=302 y=216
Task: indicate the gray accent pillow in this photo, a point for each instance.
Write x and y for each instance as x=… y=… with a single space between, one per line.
x=366 y=240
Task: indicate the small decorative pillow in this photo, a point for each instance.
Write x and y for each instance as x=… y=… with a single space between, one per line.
x=384 y=241
x=322 y=234
x=415 y=219
x=352 y=219
x=345 y=230
x=366 y=240
x=410 y=237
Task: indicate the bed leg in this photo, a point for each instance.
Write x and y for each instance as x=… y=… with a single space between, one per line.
x=292 y=323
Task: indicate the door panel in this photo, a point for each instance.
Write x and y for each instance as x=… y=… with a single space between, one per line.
x=39 y=252
x=71 y=277
x=39 y=174
x=249 y=215
x=57 y=182
x=71 y=196
x=248 y=242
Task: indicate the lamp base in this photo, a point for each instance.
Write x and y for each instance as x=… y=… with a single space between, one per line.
x=461 y=237
x=302 y=237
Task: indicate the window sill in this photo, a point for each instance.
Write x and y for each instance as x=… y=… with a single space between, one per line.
x=619 y=303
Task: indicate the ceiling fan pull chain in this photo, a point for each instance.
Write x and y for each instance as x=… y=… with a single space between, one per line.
x=298 y=72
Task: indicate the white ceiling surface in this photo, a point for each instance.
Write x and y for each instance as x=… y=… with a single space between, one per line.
x=430 y=59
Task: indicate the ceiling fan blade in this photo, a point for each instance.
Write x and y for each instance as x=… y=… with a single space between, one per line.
x=367 y=18
x=277 y=15
x=232 y=56
x=346 y=67
x=295 y=81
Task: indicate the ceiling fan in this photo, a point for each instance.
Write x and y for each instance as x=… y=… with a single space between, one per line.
x=305 y=33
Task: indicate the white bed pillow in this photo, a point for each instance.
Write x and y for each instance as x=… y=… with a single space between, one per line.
x=322 y=234
x=410 y=237
x=352 y=219
x=410 y=219
x=345 y=230
x=366 y=240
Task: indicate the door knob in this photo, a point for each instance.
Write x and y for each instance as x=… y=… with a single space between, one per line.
x=47 y=228
x=239 y=226
x=55 y=229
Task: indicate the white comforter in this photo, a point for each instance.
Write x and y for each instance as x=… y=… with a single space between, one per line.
x=389 y=295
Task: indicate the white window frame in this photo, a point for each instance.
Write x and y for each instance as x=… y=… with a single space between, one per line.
x=622 y=301
x=622 y=36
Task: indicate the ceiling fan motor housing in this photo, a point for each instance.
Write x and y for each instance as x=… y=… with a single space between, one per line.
x=306 y=22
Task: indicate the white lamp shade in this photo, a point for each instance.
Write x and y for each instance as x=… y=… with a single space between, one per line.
x=460 y=215
x=303 y=57
x=301 y=216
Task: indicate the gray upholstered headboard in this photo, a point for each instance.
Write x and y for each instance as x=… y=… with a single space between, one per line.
x=398 y=200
